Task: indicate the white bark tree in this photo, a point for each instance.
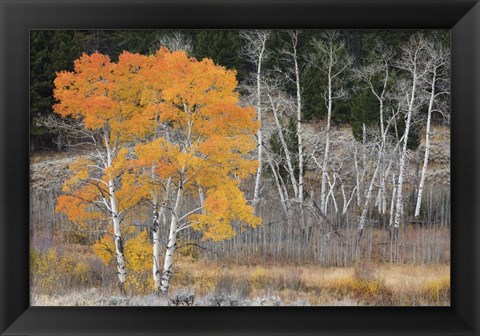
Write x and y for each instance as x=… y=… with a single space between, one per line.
x=279 y=105
x=172 y=235
x=100 y=161
x=376 y=75
x=158 y=216
x=255 y=51
x=413 y=63
x=175 y=40
x=291 y=51
x=381 y=144
x=437 y=83
x=332 y=59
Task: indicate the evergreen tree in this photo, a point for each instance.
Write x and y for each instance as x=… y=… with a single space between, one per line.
x=50 y=50
x=222 y=46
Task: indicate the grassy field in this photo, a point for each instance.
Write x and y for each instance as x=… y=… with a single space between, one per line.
x=211 y=283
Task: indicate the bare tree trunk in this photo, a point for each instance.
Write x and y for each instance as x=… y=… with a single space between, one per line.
x=415 y=61
x=258 y=177
x=286 y=151
x=357 y=177
x=323 y=190
x=283 y=197
x=299 y=120
x=378 y=165
x=121 y=270
x=172 y=241
x=392 y=204
x=119 y=253
x=156 y=243
x=333 y=60
x=403 y=155
x=427 y=146
x=156 y=234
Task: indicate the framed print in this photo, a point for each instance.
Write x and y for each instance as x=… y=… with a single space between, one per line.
x=239 y=168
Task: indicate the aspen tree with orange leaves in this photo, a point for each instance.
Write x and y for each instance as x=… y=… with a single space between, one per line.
x=202 y=147
x=191 y=136
x=102 y=99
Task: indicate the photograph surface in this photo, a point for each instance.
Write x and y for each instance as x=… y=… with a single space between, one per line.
x=240 y=168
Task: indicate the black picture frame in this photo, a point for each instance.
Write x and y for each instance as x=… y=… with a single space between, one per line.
x=17 y=17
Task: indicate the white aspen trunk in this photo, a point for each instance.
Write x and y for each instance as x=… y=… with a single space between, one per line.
x=284 y=188
x=381 y=120
x=119 y=251
x=288 y=157
x=279 y=187
x=364 y=143
x=399 y=207
x=381 y=203
x=378 y=165
x=121 y=270
x=392 y=203
x=256 y=191
x=382 y=193
x=357 y=177
x=201 y=197
x=156 y=243
x=331 y=193
x=427 y=146
x=323 y=190
x=156 y=234
x=363 y=216
x=299 y=127
x=172 y=240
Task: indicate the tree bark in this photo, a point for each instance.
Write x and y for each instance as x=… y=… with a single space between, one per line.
x=119 y=251
x=121 y=270
x=323 y=190
x=427 y=146
x=401 y=173
x=172 y=240
x=156 y=234
x=258 y=177
x=299 y=122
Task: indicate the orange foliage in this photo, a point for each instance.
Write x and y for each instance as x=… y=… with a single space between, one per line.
x=106 y=98
x=185 y=119
x=207 y=141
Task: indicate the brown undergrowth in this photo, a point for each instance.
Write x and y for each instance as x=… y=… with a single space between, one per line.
x=60 y=272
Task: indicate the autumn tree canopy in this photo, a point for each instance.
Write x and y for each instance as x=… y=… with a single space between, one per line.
x=165 y=127
x=102 y=99
x=201 y=141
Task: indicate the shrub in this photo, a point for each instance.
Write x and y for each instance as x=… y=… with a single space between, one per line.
x=437 y=291
x=291 y=280
x=223 y=300
x=55 y=272
x=364 y=270
x=182 y=299
x=206 y=281
x=242 y=288
x=189 y=252
x=138 y=257
x=260 y=279
x=224 y=284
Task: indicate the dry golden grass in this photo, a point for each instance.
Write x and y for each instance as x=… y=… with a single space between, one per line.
x=366 y=283
x=363 y=284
